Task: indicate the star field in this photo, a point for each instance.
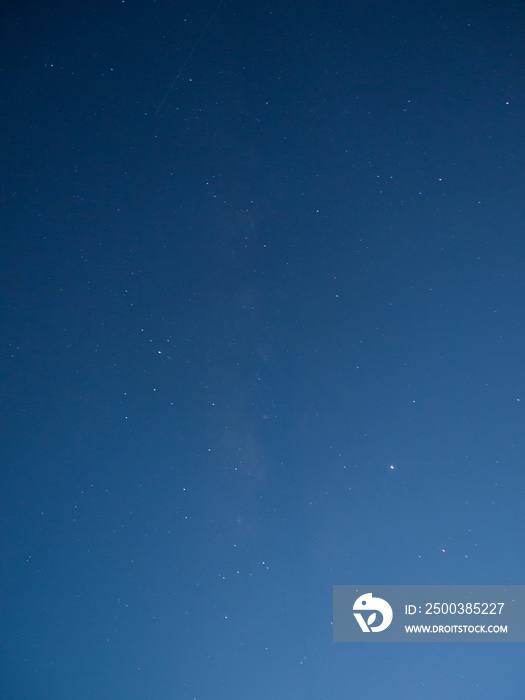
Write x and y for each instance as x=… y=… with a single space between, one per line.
x=263 y=334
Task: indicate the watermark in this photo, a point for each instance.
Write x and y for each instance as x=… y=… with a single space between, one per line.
x=429 y=613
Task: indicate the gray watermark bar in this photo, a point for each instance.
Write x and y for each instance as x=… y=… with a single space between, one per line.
x=429 y=613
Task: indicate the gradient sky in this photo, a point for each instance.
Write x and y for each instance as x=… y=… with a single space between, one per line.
x=253 y=256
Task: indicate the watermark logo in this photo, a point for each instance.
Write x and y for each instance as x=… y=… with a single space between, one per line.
x=373 y=605
x=455 y=613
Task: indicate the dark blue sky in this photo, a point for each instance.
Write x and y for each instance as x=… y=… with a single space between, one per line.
x=231 y=303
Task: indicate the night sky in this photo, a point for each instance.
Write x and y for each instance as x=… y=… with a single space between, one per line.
x=263 y=332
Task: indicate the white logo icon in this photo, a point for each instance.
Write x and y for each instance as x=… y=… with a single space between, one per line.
x=369 y=603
